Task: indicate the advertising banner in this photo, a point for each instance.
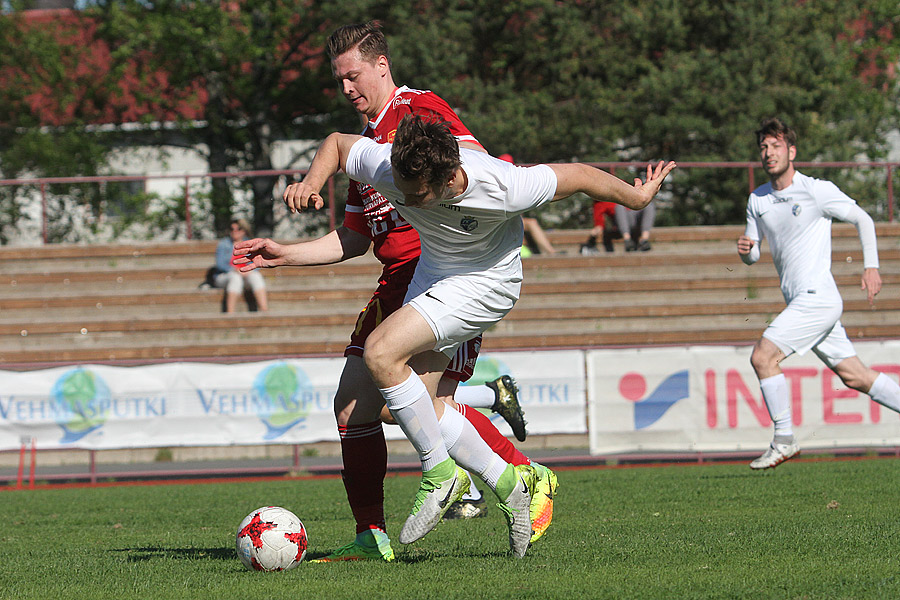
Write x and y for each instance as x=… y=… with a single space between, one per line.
x=707 y=398
x=274 y=402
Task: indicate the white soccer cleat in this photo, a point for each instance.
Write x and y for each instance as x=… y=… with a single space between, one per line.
x=435 y=496
x=516 y=510
x=775 y=455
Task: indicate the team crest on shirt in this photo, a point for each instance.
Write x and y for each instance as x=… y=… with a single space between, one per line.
x=468 y=223
x=796 y=210
x=390 y=136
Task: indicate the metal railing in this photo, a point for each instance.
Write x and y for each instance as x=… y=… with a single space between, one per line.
x=42 y=183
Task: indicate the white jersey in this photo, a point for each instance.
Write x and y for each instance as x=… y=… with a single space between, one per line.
x=479 y=230
x=797 y=223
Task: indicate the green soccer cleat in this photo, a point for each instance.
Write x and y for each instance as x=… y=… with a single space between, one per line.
x=516 y=509
x=440 y=488
x=542 y=501
x=372 y=544
x=506 y=404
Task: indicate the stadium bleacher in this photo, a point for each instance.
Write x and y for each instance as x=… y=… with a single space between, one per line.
x=140 y=303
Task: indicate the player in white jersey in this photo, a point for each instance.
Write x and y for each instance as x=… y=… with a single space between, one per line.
x=466 y=207
x=794 y=212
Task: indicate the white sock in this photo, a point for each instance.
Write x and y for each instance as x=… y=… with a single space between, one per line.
x=775 y=393
x=411 y=406
x=469 y=450
x=885 y=392
x=476 y=396
x=474 y=493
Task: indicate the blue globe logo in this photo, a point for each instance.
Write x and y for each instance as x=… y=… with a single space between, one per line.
x=82 y=399
x=487 y=368
x=278 y=389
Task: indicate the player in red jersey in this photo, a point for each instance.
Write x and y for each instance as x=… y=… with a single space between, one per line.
x=361 y=65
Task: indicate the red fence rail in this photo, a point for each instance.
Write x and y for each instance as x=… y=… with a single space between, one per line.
x=42 y=182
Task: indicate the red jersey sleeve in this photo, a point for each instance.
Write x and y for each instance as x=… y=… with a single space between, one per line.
x=431 y=103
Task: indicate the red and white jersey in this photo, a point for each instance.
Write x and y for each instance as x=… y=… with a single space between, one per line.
x=368 y=212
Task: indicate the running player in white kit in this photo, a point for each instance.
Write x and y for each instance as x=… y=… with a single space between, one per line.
x=466 y=206
x=794 y=212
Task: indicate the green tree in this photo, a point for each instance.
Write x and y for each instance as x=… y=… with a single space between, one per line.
x=645 y=80
x=45 y=134
x=544 y=80
x=253 y=70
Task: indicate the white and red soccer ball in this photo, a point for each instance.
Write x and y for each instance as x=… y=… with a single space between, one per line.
x=271 y=538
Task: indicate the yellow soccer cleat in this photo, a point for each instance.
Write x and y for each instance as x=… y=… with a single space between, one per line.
x=542 y=501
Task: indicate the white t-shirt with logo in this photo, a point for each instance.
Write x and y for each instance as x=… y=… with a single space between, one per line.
x=797 y=223
x=479 y=230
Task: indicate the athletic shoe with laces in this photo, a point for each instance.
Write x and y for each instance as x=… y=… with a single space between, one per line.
x=467 y=508
x=775 y=454
x=435 y=496
x=368 y=545
x=506 y=404
x=542 y=502
x=516 y=509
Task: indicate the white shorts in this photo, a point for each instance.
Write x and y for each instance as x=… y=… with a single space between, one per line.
x=459 y=307
x=810 y=322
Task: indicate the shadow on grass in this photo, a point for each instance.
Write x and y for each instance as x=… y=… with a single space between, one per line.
x=409 y=557
x=150 y=553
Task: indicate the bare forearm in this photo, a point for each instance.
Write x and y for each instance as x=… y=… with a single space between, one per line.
x=336 y=246
x=330 y=157
x=326 y=163
x=578 y=177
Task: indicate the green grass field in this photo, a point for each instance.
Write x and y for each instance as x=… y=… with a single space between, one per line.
x=817 y=529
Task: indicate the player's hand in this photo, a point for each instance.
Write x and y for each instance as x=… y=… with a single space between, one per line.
x=871 y=282
x=299 y=196
x=655 y=177
x=260 y=253
x=744 y=245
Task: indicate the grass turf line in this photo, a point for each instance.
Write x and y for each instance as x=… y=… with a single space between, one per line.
x=805 y=530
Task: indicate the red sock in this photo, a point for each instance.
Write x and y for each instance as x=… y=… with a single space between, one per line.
x=365 y=465
x=498 y=443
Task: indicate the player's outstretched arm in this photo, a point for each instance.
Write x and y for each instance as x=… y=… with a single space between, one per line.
x=330 y=157
x=600 y=185
x=337 y=246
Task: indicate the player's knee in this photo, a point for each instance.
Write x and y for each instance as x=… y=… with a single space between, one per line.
x=762 y=361
x=376 y=355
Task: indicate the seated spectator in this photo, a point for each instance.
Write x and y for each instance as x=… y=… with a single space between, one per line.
x=536 y=241
x=635 y=226
x=602 y=227
x=229 y=278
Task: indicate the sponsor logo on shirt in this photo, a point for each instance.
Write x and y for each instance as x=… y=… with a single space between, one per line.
x=399 y=101
x=779 y=200
x=468 y=223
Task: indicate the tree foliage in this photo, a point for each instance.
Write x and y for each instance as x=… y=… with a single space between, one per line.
x=543 y=80
x=676 y=79
x=253 y=70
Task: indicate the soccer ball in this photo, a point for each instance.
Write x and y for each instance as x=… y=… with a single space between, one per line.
x=271 y=538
